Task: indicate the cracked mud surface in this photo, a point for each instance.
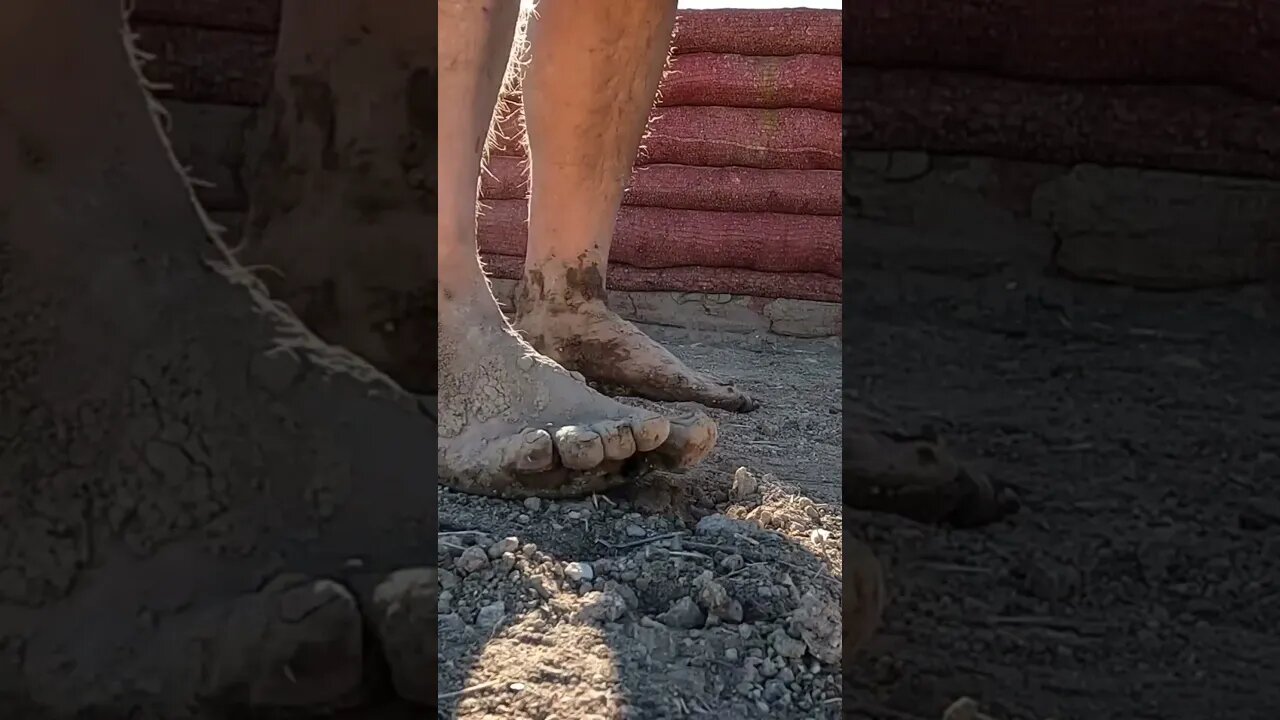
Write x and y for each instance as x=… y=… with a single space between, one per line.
x=690 y=595
x=1139 y=578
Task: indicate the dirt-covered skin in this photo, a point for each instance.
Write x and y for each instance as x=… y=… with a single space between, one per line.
x=514 y=422
x=569 y=322
x=1139 y=430
x=588 y=85
x=196 y=495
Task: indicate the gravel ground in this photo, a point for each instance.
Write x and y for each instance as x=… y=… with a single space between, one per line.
x=711 y=593
x=1141 y=579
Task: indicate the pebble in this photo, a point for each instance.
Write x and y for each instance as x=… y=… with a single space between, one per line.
x=505 y=545
x=533 y=504
x=491 y=614
x=578 y=571
x=785 y=645
x=636 y=531
x=472 y=560
x=744 y=484
x=684 y=614
x=716 y=600
x=603 y=606
x=732 y=563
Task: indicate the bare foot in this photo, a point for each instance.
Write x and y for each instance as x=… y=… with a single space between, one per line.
x=583 y=334
x=514 y=423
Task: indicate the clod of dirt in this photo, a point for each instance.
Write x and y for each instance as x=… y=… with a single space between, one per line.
x=683 y=613
x=744 y=485
x=579 y=572
x=964 y=709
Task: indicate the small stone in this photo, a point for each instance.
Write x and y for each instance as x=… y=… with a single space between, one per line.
x=444 y=604
x=529 y=550
x=731 y=654
x=539 y=585
x=963 y=709
x=472 y=560
x=603 y=606
x=448 y=579
x=785 y=645
x=713 y=596
x=732 y=563
x=505 y=545
x=769 y=668
x=579 y=571
x=491 y=614
x=684 y=614
x=774 y=690
x=636 y=531
x=533 y=504
x=744 y=484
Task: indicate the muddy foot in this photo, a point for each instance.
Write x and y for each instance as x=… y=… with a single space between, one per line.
x=513 y=423
x=588 y=337
x=918 y=478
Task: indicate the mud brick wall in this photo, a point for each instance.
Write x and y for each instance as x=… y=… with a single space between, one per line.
x=737 y=190
x=1134 y=142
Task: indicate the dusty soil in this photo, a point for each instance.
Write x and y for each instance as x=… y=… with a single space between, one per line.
x=1139 y=579
x=686 y=596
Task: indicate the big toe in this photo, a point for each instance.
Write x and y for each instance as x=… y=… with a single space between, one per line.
x=693 y=436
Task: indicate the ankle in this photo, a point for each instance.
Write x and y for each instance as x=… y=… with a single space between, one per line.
x=555 y=283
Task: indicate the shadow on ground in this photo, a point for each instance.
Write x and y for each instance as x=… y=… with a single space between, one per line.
x=1139 y=431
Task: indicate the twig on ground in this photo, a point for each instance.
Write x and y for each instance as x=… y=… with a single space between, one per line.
x=643 y=541
x=759 y=557
x=468 y=690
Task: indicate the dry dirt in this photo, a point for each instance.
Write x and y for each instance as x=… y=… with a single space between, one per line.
x=1141 y=579
x=688 y=596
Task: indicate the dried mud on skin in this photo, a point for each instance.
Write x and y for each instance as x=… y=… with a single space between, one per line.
x=686 y=596
x=1139 y=578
